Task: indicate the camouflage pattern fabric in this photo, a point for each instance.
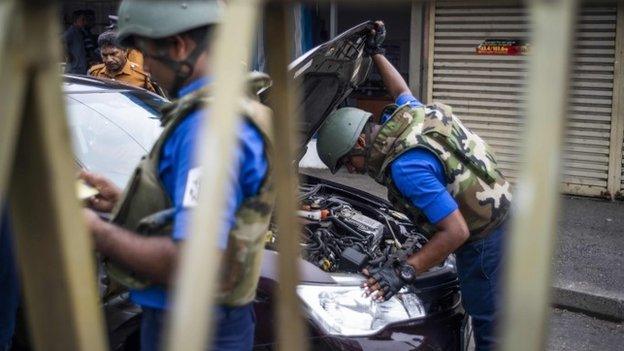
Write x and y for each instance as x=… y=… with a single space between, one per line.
x=243 y=257
x=472 y=174
x=145 y=195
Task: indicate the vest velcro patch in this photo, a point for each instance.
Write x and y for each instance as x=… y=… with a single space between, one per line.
x=191 y=190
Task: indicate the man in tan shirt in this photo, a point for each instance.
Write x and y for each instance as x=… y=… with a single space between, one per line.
x=116 y=65
x=134 y=55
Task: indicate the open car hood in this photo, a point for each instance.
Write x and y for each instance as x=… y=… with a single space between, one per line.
x=326 y=76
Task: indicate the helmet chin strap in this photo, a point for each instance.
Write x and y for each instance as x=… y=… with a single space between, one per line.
x=370 y=132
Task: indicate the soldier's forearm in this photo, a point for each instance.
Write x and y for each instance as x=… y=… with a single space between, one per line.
x=154 y=258
x=452 y=233
x=433 y=253
x=392 y=79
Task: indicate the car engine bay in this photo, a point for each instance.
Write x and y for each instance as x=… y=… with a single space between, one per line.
x=343 y=232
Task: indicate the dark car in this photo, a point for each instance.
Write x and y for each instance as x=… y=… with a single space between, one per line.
x=114 y=125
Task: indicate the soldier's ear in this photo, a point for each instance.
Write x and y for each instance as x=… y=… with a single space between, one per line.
x=179 y=47
x=362 y=140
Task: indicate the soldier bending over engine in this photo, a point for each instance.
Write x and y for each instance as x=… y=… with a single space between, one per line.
x=439 y=173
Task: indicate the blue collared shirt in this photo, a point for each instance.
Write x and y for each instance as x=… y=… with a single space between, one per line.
x=419 y=176
x=179 y=171
x=9 y=284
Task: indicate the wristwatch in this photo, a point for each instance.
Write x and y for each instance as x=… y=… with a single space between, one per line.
x=407 y=273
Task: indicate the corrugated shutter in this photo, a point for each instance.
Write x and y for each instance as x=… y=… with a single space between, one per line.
x=591 y=99
x=486 y=92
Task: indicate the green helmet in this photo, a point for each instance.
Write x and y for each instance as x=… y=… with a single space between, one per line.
x=164 y=18
x=339 y=134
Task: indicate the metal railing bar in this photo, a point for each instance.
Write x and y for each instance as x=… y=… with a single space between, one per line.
x=53 y=248
x=531 y=245
x=11 y=99
x=190 y=325
x=291 y=334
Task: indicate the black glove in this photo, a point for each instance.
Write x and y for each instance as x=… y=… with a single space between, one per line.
x=388 y=279
x=375 y=38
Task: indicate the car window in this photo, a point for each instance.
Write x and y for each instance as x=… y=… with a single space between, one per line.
x=111 y=131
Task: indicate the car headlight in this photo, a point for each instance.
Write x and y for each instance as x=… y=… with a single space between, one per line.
x=342 y=310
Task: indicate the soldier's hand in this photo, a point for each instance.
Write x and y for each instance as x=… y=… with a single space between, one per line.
x=108 y=192
x=382 y=283
x=375 y=38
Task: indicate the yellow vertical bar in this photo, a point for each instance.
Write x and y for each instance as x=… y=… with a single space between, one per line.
x=54 y=250
x=197 y=281
x=537 y=195
x=12 y=73
x=291 y=335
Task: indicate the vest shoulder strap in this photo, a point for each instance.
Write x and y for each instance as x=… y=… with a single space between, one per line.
x=438 y=120
x=443 y=127
x=261 y=116
x=402 y=122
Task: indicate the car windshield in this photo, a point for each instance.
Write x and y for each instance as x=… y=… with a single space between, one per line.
x=112 y=130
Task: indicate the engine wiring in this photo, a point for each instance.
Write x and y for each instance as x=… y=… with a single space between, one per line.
x=340 y=228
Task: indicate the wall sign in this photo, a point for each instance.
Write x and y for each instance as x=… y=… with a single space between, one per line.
x=508 y=47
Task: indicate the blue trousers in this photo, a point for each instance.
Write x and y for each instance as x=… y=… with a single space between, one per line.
x=478 y=267
x=235 y=328
x=9 y=286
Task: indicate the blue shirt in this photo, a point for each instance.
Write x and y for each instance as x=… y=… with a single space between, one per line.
x=9 y=285
x=179 y=172
x=419 y=176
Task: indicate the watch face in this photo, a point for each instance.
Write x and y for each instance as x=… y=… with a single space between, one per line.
x=407 y=273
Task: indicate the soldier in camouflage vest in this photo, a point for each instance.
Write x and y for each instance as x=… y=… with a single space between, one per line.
x=150 y=218
x=442 y=175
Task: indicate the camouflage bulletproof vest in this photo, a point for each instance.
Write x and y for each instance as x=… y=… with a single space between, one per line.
x=473 y=178
x=145 y=195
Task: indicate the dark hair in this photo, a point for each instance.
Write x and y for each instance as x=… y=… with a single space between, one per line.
x=76 y=15
x=108 y=38
x=89 y=15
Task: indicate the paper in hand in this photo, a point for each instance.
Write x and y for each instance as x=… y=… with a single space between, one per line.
x=84 y=191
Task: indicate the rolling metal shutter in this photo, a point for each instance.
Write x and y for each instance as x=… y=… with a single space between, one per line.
x=486 y=92
x=591 y=99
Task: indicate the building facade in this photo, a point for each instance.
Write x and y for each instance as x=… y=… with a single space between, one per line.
x=487 y=91
x=434 y=46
